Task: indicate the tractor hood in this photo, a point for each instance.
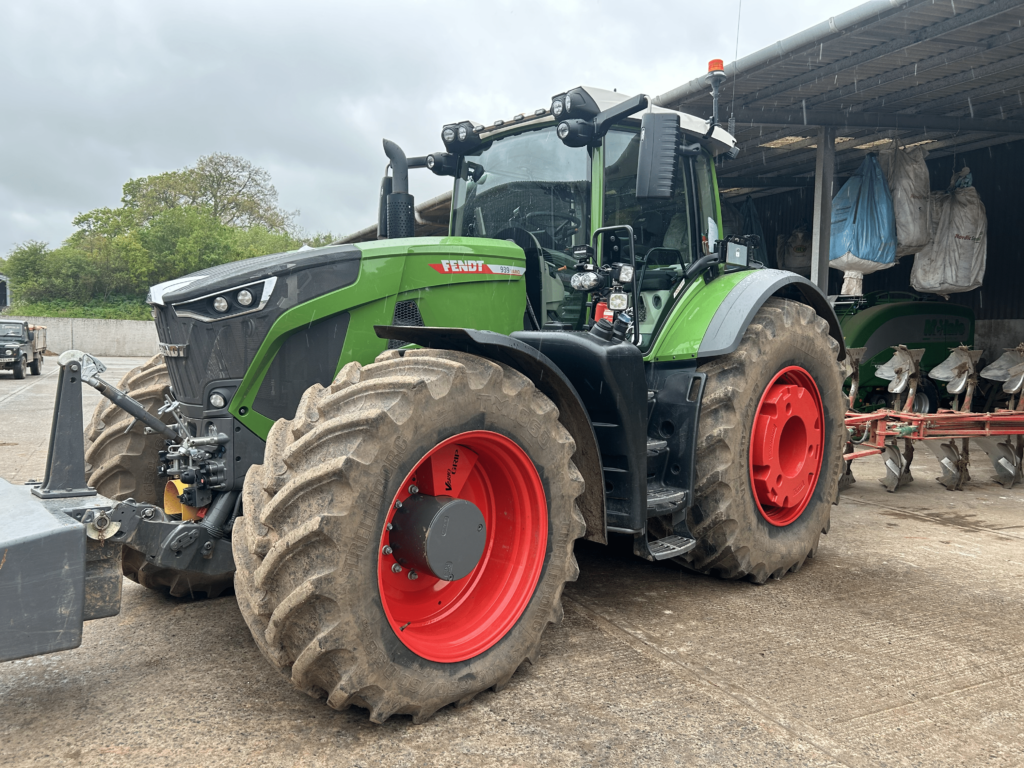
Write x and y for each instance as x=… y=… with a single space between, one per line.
x=258 y=320
x=229 y=276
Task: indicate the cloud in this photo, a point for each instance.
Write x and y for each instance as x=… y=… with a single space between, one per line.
x=97 y=93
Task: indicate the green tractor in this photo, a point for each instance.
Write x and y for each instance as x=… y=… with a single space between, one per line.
x=390 y=449
x=881 y=320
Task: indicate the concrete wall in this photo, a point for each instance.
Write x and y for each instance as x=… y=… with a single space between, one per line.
x=113 y=338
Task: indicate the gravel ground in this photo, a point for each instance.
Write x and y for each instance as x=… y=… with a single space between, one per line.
x=899 y=644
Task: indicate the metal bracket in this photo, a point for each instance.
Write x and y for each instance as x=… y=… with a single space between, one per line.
x=65 y=457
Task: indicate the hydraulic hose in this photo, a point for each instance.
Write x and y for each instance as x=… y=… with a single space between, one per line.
x=131 y=406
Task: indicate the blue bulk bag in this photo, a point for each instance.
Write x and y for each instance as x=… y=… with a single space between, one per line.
x=863 y=236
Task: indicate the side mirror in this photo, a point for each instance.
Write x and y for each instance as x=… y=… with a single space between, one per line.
x=658 y=155
x=31 y=336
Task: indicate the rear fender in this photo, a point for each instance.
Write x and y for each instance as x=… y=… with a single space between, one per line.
x=710 y=318
x=550 y=380
x=736 y=312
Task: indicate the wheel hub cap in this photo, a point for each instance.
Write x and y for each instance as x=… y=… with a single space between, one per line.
x=439 y=535
x=786 y=446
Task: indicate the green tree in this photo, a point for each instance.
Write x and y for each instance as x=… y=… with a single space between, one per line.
x=222 y=209
x=232 y=189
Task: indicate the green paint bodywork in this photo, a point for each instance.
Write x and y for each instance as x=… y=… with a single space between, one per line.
x=392 y=271
x=681 y=334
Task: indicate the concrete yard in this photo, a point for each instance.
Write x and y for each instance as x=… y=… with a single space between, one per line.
x=901 y=643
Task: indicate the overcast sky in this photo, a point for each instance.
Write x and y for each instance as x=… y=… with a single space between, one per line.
x=94 y=93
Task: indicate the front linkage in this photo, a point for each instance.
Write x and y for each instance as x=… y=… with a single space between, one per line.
x=65 y=542
x=187 y=546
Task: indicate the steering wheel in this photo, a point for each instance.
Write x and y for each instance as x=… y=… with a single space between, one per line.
x=566 y=222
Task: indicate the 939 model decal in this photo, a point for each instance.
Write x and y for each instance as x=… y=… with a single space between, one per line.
x=448 y=266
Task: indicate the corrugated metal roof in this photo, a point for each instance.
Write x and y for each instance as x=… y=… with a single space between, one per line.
x=948 y=74
x=431 y=220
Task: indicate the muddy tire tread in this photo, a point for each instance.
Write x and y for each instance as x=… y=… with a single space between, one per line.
x=282 y=583
x=720 y=518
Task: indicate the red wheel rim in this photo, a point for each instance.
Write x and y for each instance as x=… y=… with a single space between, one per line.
x=787 y=445
x=450 y=621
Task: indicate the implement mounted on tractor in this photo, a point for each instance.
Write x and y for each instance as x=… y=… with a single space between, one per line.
x=389 y=449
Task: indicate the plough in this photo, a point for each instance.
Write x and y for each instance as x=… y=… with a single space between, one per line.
x=999 y=434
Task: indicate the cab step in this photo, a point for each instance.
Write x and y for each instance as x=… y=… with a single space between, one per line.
x=671 y=546
x=665 y=500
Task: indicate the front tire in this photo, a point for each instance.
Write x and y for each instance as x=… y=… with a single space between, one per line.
x=19 y=368
x=123 y=464
x=327 y=602
x=770 y=446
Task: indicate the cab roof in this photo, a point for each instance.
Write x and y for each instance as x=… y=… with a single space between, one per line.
x=719 y=141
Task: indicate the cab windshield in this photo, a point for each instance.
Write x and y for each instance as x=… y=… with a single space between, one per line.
x=532 y=189
x=11 y=330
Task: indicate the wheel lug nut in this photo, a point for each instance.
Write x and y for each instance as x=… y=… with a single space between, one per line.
x=390 y=526
x=413 y=490
x=398 y=505
x=396 y=568
x=387 y=550
x=413 y=575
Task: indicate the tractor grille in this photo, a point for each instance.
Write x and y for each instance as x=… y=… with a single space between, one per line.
x=407 y=314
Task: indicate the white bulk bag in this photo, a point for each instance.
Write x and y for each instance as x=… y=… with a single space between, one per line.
x=954 y=261
x=909 y=185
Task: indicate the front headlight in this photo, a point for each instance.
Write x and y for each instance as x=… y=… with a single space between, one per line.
x=556 y=107
x=241 y=300
x=568 y=102
x=448 y=135
x=563 y=130
x=463 y=133
x=625 y=274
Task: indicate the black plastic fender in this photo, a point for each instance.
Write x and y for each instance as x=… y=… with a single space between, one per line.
x=737 y=311
x=549 y=379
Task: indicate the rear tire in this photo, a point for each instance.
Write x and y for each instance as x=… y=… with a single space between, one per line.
x=735 y=538
x=19 y=368
x=122 y=465
x=317 y=588
x=36 y=366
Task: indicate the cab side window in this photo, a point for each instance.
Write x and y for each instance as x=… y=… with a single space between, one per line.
x=663 y=229
x=706 y=197
x=656 y=223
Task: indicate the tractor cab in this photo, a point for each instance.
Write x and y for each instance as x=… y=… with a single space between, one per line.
x=585 y=172
x=552 y=182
